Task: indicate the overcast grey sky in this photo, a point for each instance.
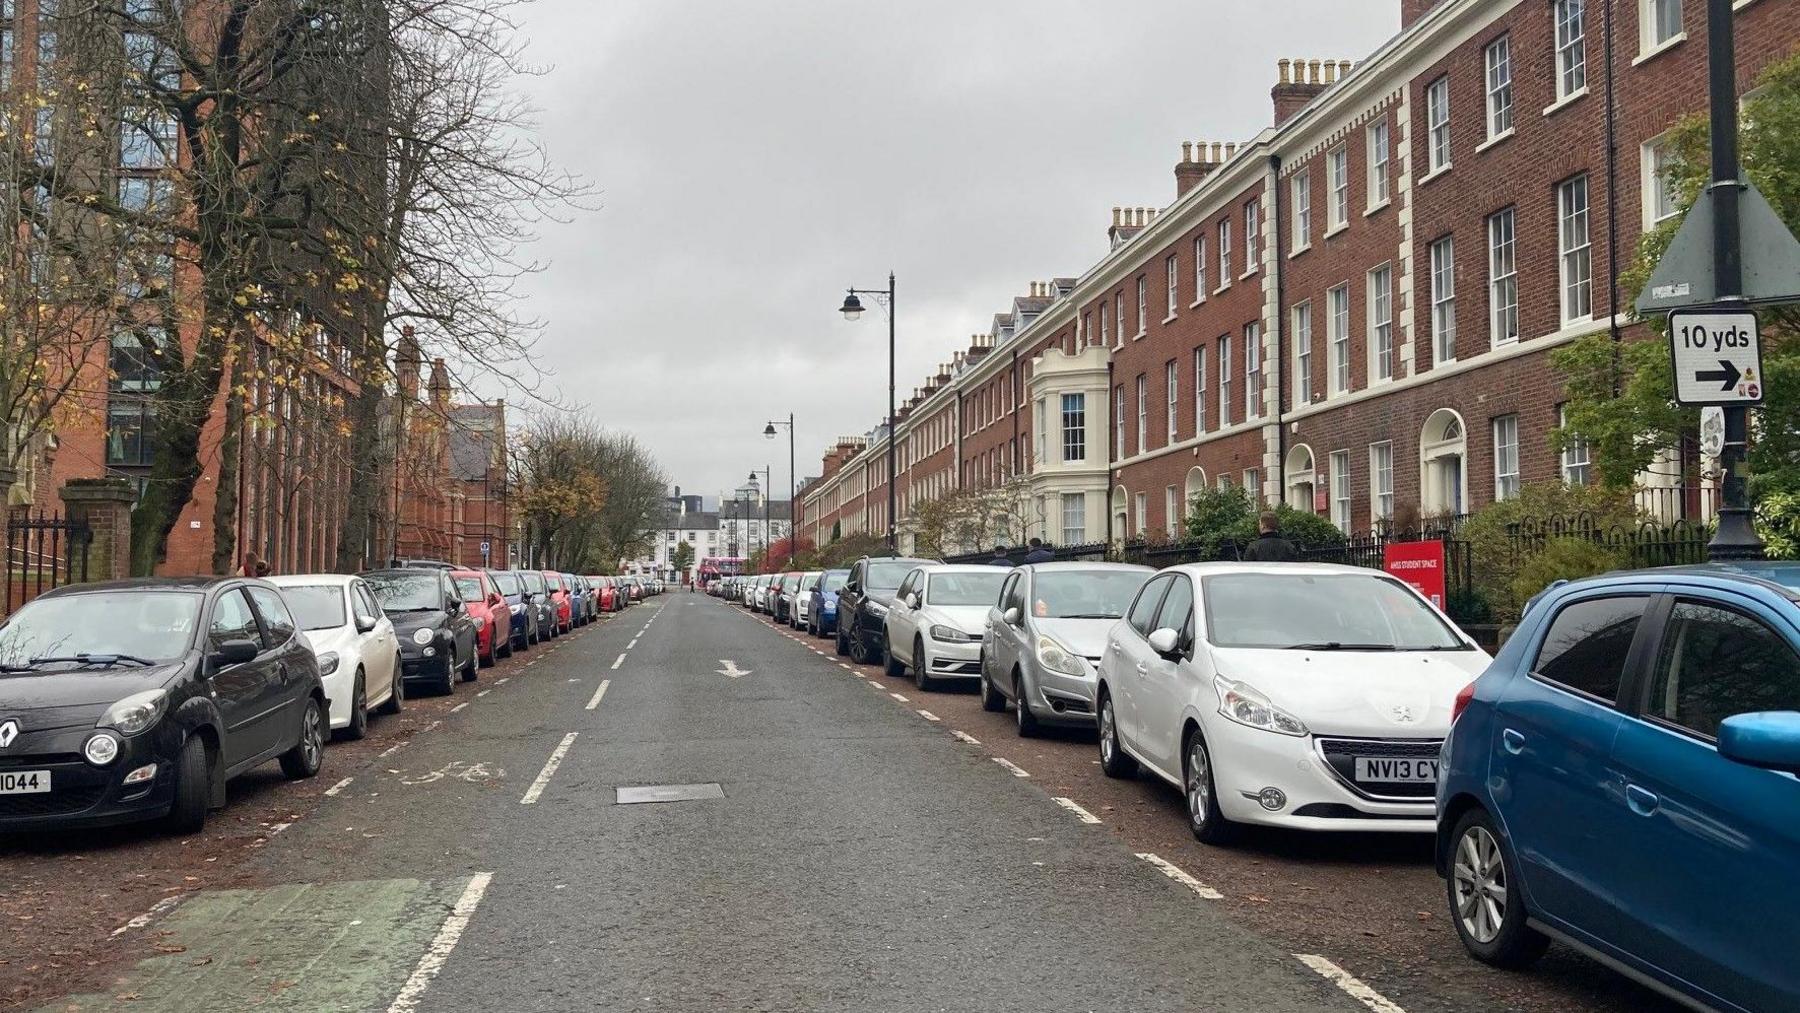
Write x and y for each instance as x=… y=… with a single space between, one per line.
x=755 y=158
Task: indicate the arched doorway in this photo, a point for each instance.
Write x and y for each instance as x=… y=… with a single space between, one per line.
x=1121 y=526
x=1443 y=470
x=1302 y=480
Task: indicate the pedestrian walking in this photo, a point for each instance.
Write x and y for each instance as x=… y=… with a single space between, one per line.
x=1000 y=558
x=1270 y=546
x=1040 y=552
x=251 y=564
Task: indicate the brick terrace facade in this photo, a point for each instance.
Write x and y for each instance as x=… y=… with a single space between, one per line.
x=1353 y=312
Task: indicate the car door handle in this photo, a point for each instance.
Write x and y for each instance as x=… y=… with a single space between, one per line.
x=1642 y=802
x=1514 y=742
x=1143 y=669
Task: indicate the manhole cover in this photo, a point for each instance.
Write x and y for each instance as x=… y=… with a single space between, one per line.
x=669 y=793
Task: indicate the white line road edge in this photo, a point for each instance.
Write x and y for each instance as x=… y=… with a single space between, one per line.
x=927 y=715
x=620 y=660
x=157 y=909
x=965 y=737
x=448 y=935
x=898 y=697
x=632 y=644
x=1179 y=875
x=1350 y=985
x=549 y=771
x=595 y=702
x=332 y=792
x=1081 y=814
x=1017 y=771
x=459 y=706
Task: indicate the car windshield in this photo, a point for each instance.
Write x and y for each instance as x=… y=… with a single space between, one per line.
x=507 y=582
x=808 y=582
x=886 y=576
x=1085 y=594
x=534 y=582
x=1328 y=612
x=405 y=592
x=469 y=588
x=315 y=606
x=142 y=625
x=964 y=588
x=834 y=580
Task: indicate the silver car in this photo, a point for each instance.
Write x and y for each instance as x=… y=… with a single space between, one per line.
x=1045 y=635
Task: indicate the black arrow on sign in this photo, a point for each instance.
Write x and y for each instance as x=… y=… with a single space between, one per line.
x=1727 y=376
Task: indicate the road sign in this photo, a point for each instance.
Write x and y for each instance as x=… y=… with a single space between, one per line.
x=1717 y=357
x=485 y=547
x=1712 y=431
x=1683 y=278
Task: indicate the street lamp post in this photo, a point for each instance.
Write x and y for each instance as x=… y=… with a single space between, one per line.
x=793 y=536
x=853 y=309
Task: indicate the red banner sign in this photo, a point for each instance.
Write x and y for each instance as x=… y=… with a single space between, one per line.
x=1420 y=564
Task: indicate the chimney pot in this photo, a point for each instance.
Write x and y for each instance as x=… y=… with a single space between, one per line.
x=1284 y=64
x=1314 y=72
x=1187 y=151
x=1344 y=67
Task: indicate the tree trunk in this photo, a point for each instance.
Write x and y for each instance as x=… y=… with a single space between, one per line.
x=364 y=479
x=225 y=503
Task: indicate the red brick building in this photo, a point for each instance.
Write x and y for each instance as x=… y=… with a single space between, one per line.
x=1352 y=311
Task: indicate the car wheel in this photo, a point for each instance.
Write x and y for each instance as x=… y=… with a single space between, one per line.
x=469 y=667
x=843 y=647
x=859 y=651
x=894 y=667
x=1485 y=905
x=447 y=677
x=359 y=711
x=303 y=761
x=1023 y=719
x=920 y=663
x=193 y=789
x=1113 y=759
x=1208 y=824
x=991 y=700
x=492 y=657
x=396 y=700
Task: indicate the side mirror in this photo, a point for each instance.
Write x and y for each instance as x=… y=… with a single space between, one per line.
x=495 y=601
x=236 y=652
x=912 y=600
x=1012 y=616
x=364 y=624
x=1165 y=642
x=1770 y=740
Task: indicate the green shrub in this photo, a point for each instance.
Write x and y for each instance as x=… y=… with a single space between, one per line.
x=1496 y=558
x=1219 y=519
x=1778 y=521
x=1562 y=559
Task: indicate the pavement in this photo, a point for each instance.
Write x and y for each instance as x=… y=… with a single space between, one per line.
x=816 y=837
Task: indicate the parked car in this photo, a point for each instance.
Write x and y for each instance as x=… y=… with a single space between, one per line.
x=1623 y=778
x=562 y=607
x=822 y=610
x=782 y=606
x=863 y=604
x=136 y=700
x=425 y=564
x=485 y=605
x=937 y=622
x=1298 y=695
x=577 y=592
x=437 y=637
x=797 y=616
x=603 y=593
x=537 y=590
x=352 y=641
x=759 y=593
x=522 y=627
x=590 y=587
x=1045 y=636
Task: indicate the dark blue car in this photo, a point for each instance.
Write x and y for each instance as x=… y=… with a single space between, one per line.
x=821 y=611
x=524 y=619
x=1623 y=778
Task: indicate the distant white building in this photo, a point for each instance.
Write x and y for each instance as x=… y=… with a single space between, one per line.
x=733 y=532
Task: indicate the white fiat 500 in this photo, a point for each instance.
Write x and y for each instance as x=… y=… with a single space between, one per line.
x=354 y=641
x=1307 y=696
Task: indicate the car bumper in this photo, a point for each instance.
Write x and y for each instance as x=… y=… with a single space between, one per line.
x=415 y=665
x=340 y=689
x=1058 y=698
x=1246 y=761
x=83 y=796
x=952 y=661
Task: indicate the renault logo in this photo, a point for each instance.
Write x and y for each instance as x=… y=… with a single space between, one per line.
x=9 y=730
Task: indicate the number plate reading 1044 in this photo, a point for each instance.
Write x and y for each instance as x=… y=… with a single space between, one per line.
x=24 y=782
x=1396 y=769
x=1717 y=357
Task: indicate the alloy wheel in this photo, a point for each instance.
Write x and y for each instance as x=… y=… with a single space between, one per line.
x=312 y=741
x=1109 y=746
x=1199 y=782
x=1480 y=884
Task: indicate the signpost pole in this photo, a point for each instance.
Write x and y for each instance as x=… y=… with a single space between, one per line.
x=1736 y=536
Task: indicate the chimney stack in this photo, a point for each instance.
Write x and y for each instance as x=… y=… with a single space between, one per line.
x=1128 y=222
x=1298 y=82
x=1200 y=159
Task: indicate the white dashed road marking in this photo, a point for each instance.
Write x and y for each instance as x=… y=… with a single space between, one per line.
x=1351 y=986
x=157 y=909
x=620 y=660
x=447 y=937
x=332 y=791
x=483 y=693
x=1017 y=771
x=632 y=644
x=595 y=702
x=1178 y=875
x=966 y=737
x=459 y=706
x=927 y=715
x=549 y=771
x=1081 y=814
x=898 y=697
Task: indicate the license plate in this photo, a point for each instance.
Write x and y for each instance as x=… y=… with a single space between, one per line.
x=24 y=782
x=1396 y=769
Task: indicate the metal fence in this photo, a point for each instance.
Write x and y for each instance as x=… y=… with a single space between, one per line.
x=43 y=552
x=1678 y=543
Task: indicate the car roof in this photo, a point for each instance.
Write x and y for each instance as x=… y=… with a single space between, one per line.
x=1315 y=569
x=404 y=571
x=1775 y=576
x=1077 y=566
x=937 y=568
x=311 y=579
x=196 y=583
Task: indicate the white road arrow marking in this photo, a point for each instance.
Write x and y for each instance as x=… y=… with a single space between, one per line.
x=731 y=671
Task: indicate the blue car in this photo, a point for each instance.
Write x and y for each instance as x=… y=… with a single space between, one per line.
x=524 y=628
x=578 y=594
x=821 y=611
x=1623 y=779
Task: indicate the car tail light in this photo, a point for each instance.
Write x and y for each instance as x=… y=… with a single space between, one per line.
x=1463 y=699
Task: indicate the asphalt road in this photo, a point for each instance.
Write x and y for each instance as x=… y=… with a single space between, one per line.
x=855 y=856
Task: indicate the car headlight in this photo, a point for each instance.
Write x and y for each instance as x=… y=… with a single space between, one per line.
x=518 y=609
x=1243 y=704
x=134 y=713
x=423 y=637
x=830 y=606
x=951 y=635
x=101 y=749
x=328 y=662
x=1057 y=658
x=876 y=609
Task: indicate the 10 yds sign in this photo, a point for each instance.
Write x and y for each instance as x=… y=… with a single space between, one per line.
x=1717 y=357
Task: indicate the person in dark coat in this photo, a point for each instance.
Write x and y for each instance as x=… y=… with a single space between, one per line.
x=1040 y=553
x=1270 y=546
x=1000 y=558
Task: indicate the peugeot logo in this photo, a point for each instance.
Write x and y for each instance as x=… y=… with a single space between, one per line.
x=1402 y=713
x=9 y=730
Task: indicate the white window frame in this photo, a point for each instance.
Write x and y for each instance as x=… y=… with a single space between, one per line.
x=1575 y=249
x=1569 y=18
x=1337 y=210
x=1303 y=384
x=1143 y=316
x=1383 y=355
x=1119 y=318
x=1199 y=390
x=1503 y=276
x=1143 y=413
x=1253 y=485
x=1140 y=512
x=1199 y=269
x=1074 y=504
x=1505 y=429
x=1443 y=300
x=1172 y=269
x=1660 y=200
x=1301 y=190
x=1252 y=232
x=1172 y=379
x=1437 y=126
x=1381 y=480
x=1224 y=371
x=1171 y=511
x=1338 y=378
x=1253 y=370
x=1499 y=88
x=1576 y=460
x=1340 y=490
x=1224 y=254
x=1380 y=153
x=1104 y=340
x=1118 y=422
x=1067 y=430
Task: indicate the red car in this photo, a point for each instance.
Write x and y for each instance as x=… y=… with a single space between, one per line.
x=484 y=603
x=560 y=600
x=603 y=587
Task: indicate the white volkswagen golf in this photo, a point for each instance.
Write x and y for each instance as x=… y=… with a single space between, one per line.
x=354 y=641
x=1307 y=696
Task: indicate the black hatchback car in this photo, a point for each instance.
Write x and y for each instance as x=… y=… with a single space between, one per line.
x=137 y=700
x=437 y=635
x=863 y=604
